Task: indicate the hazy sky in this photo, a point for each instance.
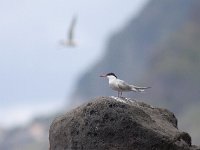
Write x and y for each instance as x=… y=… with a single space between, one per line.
x=37 y=75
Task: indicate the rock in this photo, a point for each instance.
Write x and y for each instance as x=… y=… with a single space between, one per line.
x=111 y=123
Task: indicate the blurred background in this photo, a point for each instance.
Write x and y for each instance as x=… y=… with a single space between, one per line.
x=145 y=42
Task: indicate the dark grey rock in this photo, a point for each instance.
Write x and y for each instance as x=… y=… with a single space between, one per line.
x=110 y=123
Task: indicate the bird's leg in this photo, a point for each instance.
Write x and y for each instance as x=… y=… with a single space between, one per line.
x=121 y=94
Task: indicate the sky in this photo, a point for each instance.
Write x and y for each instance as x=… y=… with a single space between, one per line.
x=37 y=74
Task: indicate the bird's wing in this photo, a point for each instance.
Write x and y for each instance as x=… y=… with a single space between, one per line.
x=123 y=85
x=71 y=29
x=138 y=87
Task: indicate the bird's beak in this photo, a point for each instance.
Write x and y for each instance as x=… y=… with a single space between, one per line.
x=102 y=75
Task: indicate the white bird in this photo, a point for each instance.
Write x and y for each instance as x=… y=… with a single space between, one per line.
x=120 y=85
x=70 y=35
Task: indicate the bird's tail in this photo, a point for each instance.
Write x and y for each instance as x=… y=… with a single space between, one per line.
x=139 y=89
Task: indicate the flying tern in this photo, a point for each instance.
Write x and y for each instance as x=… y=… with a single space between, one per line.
x=70 y=35
x=120 y=85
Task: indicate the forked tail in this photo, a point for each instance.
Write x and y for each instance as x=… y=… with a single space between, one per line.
x=139 y=89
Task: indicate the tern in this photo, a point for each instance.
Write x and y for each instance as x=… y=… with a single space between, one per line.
x=120 y=85
x=70 y=35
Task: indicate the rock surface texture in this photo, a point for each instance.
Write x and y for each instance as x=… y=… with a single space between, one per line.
x=111 y=123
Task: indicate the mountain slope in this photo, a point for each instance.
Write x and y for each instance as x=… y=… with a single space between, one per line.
x=141 y=53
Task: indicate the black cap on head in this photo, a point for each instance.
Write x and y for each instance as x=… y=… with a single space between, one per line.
x=111 y=74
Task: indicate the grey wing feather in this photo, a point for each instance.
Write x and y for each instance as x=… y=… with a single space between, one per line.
x=137 y=87
x=123 y=85
x=71 y=29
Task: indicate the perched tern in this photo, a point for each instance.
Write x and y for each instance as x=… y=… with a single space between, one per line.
x=70 y=35
x=120 y=85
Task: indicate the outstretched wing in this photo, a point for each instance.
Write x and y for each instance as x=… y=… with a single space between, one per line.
x=71 y=29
